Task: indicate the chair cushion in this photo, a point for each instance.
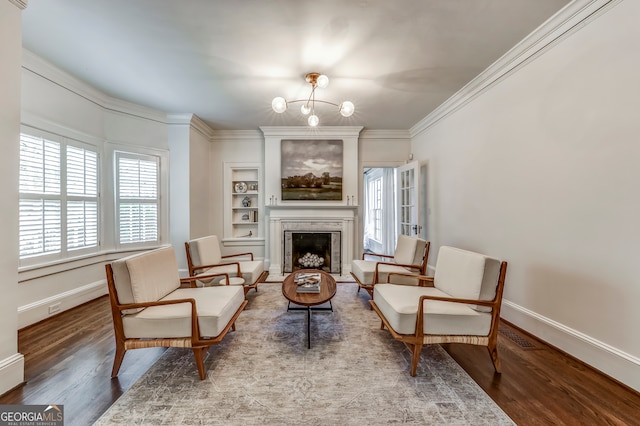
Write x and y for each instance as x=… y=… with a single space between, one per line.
x=153 y=274
x=215 y=308
x=365 y=269
x=409 y=250
x=250 y=269
x=459 y=272
x=205 y=250
x=399 y=305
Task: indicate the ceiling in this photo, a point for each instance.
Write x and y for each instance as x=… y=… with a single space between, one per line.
x=226 y=60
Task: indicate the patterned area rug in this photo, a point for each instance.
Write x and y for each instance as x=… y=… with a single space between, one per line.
x=263 y=374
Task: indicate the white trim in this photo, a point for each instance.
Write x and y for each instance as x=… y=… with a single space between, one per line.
x=38 y=66
x=564 y=23
x=11 y=372
x=226 y=135
x=611 y=361
x=39 y=310
x=302 y=132
x=193 y=121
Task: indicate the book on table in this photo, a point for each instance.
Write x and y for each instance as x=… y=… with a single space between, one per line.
x=308 y=282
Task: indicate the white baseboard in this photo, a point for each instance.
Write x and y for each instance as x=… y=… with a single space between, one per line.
x=11 y=372
x=613 y=362
x=39 y=310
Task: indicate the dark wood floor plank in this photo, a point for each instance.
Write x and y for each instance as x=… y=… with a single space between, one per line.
x=68 y=361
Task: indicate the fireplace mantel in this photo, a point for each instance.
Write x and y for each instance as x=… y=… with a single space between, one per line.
x=311 y=219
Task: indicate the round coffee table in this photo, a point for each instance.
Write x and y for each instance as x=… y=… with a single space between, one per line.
x=307 y=300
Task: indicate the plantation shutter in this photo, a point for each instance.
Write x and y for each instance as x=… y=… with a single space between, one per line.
x=137 y=198
x=82 y=198
x=40 y=226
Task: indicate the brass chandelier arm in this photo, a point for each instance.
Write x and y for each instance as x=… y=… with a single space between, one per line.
x=309 y=101
x=316 y=80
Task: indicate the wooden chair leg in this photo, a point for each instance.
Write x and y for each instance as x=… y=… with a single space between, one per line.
x=493 y=353
x=381 y=325
x=198 y=354
x=415 y=358
x=117 y=359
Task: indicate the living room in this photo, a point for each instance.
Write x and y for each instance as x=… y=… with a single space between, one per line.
x=532 y=162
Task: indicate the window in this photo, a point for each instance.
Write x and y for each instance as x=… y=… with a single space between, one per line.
x=137 y=198
x=58 y=209
x=375 y=195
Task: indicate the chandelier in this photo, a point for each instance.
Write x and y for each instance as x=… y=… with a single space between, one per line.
x=280 y=104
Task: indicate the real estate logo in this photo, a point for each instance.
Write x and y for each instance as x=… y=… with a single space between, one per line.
x=31 y=415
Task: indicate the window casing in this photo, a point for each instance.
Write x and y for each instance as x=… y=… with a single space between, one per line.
x=59 y=198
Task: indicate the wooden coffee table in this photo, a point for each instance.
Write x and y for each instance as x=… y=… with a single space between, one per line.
x=307 y=300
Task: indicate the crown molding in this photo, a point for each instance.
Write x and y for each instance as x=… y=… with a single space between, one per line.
x=564 y=23
x=385 y=134
x=226 y=135
x=21 y=4
x=305 y=131
x=46 y=70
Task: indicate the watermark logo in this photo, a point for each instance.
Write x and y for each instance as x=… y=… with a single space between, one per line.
x=31 y=415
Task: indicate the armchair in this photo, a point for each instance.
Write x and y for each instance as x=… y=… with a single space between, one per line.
x=151 y=309
x=410 y=256
x=462 y=306
x=204 y=257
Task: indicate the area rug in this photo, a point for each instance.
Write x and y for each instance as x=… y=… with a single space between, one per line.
x=263 y=374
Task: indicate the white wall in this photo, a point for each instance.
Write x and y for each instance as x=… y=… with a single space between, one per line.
x=11 y=362
x=59 y=103
x=542 y=170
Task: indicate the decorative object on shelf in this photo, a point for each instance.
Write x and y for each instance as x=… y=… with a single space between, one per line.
x=240 y=187
x=253 y=187
x=245 y=216
x=246 y=202
x=311 y=261
x=346 y=108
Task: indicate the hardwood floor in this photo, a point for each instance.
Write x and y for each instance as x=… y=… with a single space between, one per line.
x=68 y=361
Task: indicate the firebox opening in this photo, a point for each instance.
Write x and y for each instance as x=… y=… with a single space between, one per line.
x=311 y=250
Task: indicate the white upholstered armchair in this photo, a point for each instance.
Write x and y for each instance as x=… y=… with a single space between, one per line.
x=151 y=309
x=462 y=305
x=410 y=257
x=204 y=257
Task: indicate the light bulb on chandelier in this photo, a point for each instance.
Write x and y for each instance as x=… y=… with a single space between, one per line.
x=280 y=104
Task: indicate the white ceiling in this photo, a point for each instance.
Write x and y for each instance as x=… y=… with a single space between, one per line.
x=225 y=60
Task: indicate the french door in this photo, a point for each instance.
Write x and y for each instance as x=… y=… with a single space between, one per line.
x=408 y=200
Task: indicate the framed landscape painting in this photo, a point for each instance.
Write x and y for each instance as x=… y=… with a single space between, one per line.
x=311 y=169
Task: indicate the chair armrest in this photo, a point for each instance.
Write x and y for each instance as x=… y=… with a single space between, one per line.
x=193 y=279
x=155 y=303
x=386 y=256
x=238 y=254
x=219 y=264
x=421 y=278
x=375 y=274
x=489 y=303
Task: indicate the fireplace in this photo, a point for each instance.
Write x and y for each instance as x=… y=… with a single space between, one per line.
x=337 y=225
x=312 y=250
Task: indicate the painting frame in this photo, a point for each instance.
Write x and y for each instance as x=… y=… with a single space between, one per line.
x=311 y=169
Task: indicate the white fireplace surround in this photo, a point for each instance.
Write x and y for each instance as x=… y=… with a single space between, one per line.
x=315 y=220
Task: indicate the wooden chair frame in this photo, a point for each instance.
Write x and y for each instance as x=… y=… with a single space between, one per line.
x=415 y=341
x=194 y=268
x=199 y=345
x=420 y=269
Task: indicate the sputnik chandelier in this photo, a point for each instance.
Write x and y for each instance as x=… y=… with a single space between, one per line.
x=346 y=108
